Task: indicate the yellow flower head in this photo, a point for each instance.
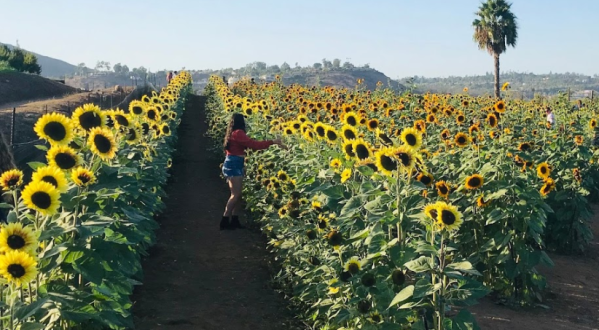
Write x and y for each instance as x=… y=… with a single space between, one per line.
x=52 y=175
x=18 y=267
x=101 y=142
x=42 y=197
x=11 y=179
x=55 y=128
x=15 y=237
x=83 y=177
x=345 y=175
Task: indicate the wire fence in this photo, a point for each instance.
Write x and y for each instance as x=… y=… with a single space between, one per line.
x=19 y=126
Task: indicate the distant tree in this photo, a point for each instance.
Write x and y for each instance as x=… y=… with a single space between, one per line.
x=80 y=69
x=141 y=72
x=494 y=30
x=260 y=66
x=366 y=66
x=117 y=68
x=336 y=63
x=30 y=64
x=285 y=67
x=16 y=59
x=317 y=65
x=99 y=66
x=107 y=66
x=348 y=65
x=326 y=63
x=125 y=69
x=4 y=53
x=296 y=64
x=274 y=69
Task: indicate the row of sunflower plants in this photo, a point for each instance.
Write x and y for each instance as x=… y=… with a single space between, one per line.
x=404 y=209
x=71 y=250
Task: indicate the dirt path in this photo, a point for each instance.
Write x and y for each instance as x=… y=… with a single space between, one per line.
x=198 y=277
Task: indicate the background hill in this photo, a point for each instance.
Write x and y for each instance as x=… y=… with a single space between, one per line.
x=51 y=67
x=17 y=86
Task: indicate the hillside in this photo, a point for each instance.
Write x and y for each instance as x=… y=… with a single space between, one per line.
x=16 y=86
x=51 y=67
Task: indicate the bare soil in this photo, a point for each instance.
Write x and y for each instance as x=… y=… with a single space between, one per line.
x=198 y=277
x=16 y=86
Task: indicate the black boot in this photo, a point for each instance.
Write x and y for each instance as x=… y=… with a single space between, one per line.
x=224 y=223
x=235 y=223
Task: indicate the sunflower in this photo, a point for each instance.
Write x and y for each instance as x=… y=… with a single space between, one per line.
x=283 y=211
x=320 y=129
x=425 y=178
x=335 y=238
x=345 y=175
x=448 y=216
x=473 y=128
x=445 y=134
x=335 y=163
x=165 y=129
x=15 y=237
x=494 y=135
x=398 y=277
x=481 y=202
x=332 y=134
x=385 y=161
x=152 y=114
x=420 y=125
x=42 y=197
x=11 y=179
x=83 y=177
x=88 y=116
x=412 y=138
x=137 y=107
x=349 y=132
x=443 y=189
x=461 y=139
x=505 y=86
x=576 y=174
x=543 y=170
x=593 y=123
x=348 y=149
x=55 y=128
x=578 y=139
x=63 y=157
x=405 y=156
x=351 y=118
x=52 y=175
x=492 y=120
x=353 y=265
x=18 y=267
x=361 y=149
x=430 y=118
x=282 y=176
x=431 y=211
x=101 y=142
x=460 y=119
x=133 y=135
x=372 y=124
x=385 y=139
x=121 y=119
x=474 y=181
x=499 y=106
x=547 y=187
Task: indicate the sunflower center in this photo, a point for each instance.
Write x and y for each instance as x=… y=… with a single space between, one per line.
x=122 y=120
x=404 y=158
x=388 y=163
x=16 y=270
x=349 y=134
x=362 y=151
x=425 y=179
x=373 y=124
x=41 y=199
x=166 y=130
x=443 y=189
x=411 y=139
x=12 y=181
x=152 y=114
x=89 y=120
x=84 y=178
x=332 y=136
x=349 y=150
x=51 y=180
x=543 y=170
x=137 y=110
x=461 y=140
x=448 y=217
x=55 y=130
x=132 y=135
x=102 y=143
x=65 y=161
x=351 y=120
x=353 y=268
x=320 y=131
x=15 y=242
x=474 y=182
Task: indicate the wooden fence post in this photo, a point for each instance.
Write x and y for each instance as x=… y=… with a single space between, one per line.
x=12 y=126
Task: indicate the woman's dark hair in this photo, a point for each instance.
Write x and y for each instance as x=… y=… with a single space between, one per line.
x=237 y=122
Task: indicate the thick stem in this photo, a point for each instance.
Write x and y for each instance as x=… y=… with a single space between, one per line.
x=443 y=279
x=497 y=90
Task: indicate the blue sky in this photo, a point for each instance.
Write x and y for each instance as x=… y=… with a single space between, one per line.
x=400 y=38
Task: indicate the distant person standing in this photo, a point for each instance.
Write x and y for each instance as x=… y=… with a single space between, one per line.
x=169 y=77
x=175 y=74
x=550 y=117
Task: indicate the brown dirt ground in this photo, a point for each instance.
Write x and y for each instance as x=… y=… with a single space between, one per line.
x=198 y=277
x=16 y=86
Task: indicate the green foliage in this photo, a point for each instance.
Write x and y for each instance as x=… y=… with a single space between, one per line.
x=19 y=60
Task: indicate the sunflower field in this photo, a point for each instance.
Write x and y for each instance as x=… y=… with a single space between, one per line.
x=71 y=251
x=390 y=209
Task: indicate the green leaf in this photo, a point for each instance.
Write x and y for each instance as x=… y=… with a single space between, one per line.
x=12 y=217
x=464 y=267
x=31 y=326
x=35 y=165
x=419 y=265
x=27 y=311
x=5 y=206
x=403 y=295
x=41 y=147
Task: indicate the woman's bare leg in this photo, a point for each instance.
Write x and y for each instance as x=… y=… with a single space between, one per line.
x=235 y=185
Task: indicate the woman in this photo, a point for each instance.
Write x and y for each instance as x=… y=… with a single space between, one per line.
x=236 y=141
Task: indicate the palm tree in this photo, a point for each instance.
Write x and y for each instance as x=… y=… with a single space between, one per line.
x=494 y=30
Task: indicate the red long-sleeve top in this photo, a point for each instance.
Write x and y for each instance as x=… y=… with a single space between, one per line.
x=239 y=141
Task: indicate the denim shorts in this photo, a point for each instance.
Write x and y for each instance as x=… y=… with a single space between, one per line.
x=233 y=166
